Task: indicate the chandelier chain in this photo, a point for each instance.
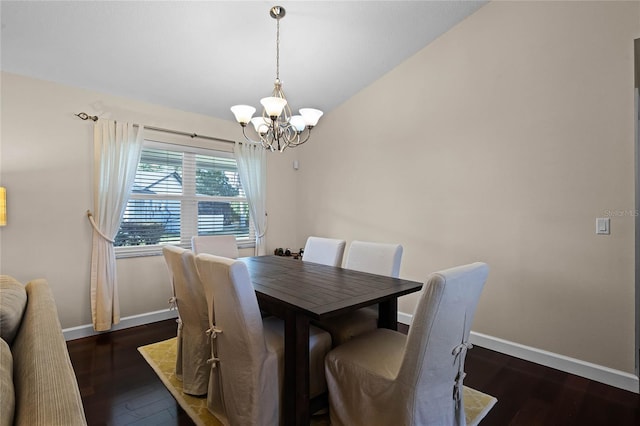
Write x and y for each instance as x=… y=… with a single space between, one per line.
x=278 y=48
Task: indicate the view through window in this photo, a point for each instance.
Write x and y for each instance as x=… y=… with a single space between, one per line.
x=180 y=192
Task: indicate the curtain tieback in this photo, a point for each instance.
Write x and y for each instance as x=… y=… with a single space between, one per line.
x=93 y=223
x=266 y=226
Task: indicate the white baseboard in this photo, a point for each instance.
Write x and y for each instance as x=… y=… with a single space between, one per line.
x=78 y=332
x=598 y=373
x=405 y=318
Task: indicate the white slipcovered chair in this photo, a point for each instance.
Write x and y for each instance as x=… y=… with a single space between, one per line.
x=219 y=245
x=247 y=371
x=386 y=378
x=193 y=344
x=327 y=251
x=375 y=258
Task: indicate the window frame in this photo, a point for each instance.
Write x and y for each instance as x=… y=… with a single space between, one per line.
x=190 y=147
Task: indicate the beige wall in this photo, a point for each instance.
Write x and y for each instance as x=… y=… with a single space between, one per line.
x=46 y=165
x=502 y=142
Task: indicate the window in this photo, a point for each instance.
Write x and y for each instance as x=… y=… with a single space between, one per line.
x=180 y=192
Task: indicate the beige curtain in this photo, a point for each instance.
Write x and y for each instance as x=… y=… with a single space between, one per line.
x=117 y=148
x=252 y=168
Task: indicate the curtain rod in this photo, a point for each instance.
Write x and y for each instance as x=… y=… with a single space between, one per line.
x=85 y=116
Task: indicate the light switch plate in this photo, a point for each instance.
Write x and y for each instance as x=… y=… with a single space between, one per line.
x=603 y=225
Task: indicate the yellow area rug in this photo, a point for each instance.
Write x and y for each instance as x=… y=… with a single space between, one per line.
x=161 y=357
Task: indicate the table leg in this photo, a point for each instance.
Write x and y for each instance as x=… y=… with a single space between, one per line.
x=296 y=370
x=388 y=314
x=302 y=370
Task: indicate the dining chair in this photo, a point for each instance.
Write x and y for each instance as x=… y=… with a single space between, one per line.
x=247 y=373
x=327 y=251
x=193 y=349
x=219 y=245
x=384 y=377
x=375 y=258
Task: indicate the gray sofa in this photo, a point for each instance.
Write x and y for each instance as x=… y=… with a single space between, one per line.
x=37 y=383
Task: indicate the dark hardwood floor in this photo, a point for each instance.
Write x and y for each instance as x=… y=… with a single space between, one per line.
x=117 y=385
x=119 y=388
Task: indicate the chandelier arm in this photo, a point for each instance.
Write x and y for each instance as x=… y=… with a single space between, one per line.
x=263 y=141
x=287 y=132
x=265 y=144
x=244 y=133
x=308 y=136
x=286 y=112
x=293 y=141
x=296 y=142
x=267 y=139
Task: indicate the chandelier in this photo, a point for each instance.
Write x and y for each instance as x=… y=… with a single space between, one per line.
x=277 y=128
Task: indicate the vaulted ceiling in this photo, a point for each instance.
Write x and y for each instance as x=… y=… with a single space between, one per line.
x=206 y=56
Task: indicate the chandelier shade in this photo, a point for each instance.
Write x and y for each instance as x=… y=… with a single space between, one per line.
x=298 y=122
x=273 y=106
x=277 y=129
x=243 y=113
x=260 y=125
x=311 y=116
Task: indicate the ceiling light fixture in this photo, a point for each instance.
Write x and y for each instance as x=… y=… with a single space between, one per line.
x=277 y=128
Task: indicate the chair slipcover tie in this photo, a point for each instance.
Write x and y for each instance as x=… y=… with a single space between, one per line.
x=213 y=334
x=460 y=353
x=173 y=303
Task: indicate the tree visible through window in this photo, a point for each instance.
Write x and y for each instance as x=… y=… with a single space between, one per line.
x=181 y=192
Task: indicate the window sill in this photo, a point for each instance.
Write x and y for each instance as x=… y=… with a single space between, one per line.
x=145 y=251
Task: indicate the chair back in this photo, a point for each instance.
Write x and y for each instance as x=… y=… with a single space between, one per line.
x=245 y=391
x=190 y=297
x=173 y=262
x=327 y=251
x=193 y=311
x=433 y=364
x=375 y=258
x=218 y=245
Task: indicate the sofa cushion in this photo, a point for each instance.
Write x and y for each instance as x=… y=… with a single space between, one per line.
x=13 y=300
x=7 y=393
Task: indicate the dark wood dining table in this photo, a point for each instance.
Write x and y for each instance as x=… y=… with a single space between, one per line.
x=300 y=292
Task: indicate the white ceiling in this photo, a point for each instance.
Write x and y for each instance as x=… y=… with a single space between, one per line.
x=206 y=56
